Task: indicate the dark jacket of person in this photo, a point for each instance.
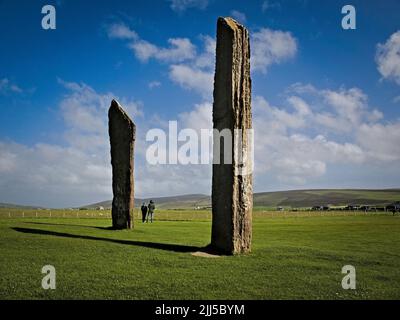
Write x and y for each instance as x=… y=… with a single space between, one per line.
x=152 y=207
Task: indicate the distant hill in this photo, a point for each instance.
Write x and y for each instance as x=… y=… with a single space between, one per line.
x=337 y=197
x=17 y=206
x=188 y=201
x=291 y=198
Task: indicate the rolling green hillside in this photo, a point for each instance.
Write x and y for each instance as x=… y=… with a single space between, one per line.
x=291 y=198
x=188 y=201
x=337 y=197
x=16 y=206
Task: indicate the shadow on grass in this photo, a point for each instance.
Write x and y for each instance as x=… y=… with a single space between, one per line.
x=153 y=245
x=71 y=225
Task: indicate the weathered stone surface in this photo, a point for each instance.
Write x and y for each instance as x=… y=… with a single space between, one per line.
x=122 y=133
x=232 y=192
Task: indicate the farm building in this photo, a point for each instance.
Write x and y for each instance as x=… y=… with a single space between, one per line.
x=320 y=208
x=394 y=207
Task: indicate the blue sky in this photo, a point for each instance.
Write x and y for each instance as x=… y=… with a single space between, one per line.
x=326 y=101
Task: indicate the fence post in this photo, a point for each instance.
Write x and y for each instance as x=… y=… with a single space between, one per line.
x=50 y=214
x=9 y=214
x=36 y=214
x=23 y=214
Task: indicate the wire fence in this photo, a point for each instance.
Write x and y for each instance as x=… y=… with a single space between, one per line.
x=173 y=215
x=181 y=215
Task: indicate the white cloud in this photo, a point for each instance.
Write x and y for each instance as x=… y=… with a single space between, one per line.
x=85 y=114
x=206 y=59
x=7 y=159
x=180 y=49
x=77 y=170
x=197 y=75
x=52 y=175
x=121 y=31
x=198 y=118
x=349 y=104
x=238 y=16
x=381 y=141
x=396 y=99
x=181 y=179
x=388 y=58
x=193 y=79
x=74 y=171
x=338 y=111
x=289 y=142
x=144 y=50
x=7 y=87
x=154 y=84
x=194 y=70
x=266 y=5
x=188 y=69
x=302 y=108
x=375 y=115
x=301 y=88
x=182 y=5
x=350 y=109
x=301 y=144
x=271 y=46
x=168 y=180
x=330 y=122
x=295 y=158
x=297 y=172
x=292 y=145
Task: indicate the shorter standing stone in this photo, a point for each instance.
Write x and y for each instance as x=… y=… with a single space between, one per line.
x=122 y=133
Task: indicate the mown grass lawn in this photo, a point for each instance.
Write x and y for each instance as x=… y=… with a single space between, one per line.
x=292 y=258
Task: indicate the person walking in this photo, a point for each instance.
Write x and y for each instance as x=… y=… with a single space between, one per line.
x=151 y=208
x=144 y=211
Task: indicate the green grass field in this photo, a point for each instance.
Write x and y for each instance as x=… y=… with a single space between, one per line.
x=295 y=256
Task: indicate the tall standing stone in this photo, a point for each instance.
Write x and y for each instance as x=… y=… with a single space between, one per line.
x=232 y=190
x=122 y=133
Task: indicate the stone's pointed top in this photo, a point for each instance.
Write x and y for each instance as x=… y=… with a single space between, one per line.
x=115 y=102
x=230 y=22
x=116 y=106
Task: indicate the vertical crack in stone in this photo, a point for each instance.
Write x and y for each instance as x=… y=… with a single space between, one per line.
x=122 y=133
